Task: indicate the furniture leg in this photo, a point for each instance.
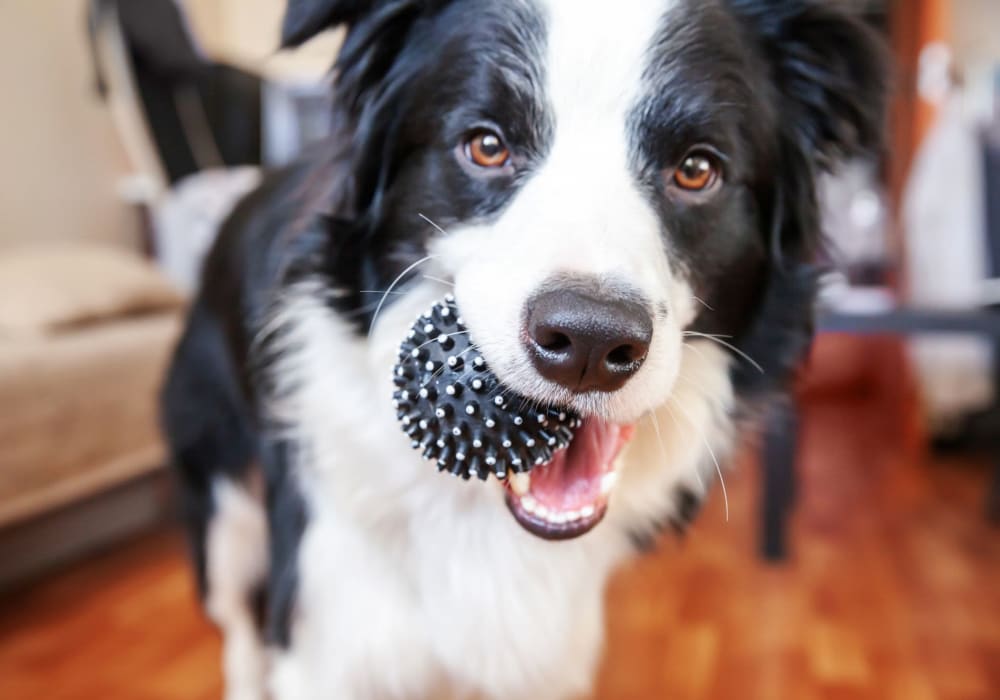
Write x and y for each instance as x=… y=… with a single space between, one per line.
x=780 y=447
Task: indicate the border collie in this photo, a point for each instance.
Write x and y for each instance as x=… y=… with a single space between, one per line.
x=620 y=196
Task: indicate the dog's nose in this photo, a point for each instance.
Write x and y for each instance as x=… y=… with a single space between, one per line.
x=587 y=343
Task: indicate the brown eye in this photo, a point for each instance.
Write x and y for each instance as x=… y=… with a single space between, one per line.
x=487 y=150
x=697 y=172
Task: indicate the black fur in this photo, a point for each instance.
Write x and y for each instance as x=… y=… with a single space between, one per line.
x=209 y=413
x=306 y=18
x=287 y=518
x=208 y=425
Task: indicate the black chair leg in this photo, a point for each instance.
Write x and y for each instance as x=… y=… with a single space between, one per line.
x=993 y=496
x=780 y=447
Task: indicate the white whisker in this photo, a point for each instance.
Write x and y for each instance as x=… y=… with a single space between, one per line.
x=656 y=425
x=446 y=335
x=718 y=340
x=428 y=220
x=711 y=452
x=702 y=302
x=689 y=346
x=439 y=280
x=392 y=286
x=440 y=370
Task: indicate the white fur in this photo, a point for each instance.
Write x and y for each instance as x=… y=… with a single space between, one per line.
x=414 y=585
x=236 y=552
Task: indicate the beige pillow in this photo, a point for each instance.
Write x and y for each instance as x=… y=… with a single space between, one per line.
x=47 y=288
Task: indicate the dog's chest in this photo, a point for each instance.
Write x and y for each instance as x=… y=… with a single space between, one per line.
x=445 y=590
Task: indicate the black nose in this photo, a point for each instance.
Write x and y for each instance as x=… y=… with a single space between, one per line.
x=587 y=343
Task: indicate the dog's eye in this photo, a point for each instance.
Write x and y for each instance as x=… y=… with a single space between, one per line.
x=487 y=150
x=698 y=172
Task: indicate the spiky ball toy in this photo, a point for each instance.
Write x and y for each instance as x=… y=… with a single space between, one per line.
x=456 y=411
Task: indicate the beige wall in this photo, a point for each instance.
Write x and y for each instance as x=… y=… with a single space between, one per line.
x=977 y=31
x=248 y=33
x=251 y=29
x=60 y=160
x=206 y=21
x=245 y=31
x=976 y=42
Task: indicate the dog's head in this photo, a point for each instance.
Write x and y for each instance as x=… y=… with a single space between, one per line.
x=600 y=182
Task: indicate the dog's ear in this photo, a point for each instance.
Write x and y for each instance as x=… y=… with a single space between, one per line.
x=830 y=73
x=831 y=69
x=305 y=19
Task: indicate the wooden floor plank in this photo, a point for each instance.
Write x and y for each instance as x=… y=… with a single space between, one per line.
x=892 y=593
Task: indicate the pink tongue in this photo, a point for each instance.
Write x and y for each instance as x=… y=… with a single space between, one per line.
x=572 y=480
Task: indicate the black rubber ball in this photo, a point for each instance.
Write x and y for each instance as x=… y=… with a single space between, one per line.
x=456 y=411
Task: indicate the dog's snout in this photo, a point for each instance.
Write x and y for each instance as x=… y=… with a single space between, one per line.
x=587 y=343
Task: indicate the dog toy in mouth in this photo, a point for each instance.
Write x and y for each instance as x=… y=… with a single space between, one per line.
x=457 y=412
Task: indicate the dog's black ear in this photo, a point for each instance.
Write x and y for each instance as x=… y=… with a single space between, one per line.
x=831 y=69
x=305 y=19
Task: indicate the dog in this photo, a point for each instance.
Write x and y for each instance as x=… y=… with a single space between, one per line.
x=621 y=198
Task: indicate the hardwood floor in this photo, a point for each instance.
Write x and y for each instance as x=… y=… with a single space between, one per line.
x=893 y=592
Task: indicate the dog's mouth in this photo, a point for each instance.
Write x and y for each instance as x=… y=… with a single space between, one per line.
x=568 y=496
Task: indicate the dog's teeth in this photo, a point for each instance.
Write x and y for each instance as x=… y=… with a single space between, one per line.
x=587 y=512
x=541 y=511
x=529 y=503
x=608 y=482
x=520 y=483
x=560 y=518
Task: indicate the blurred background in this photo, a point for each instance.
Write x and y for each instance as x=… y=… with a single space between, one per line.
x=861 y=556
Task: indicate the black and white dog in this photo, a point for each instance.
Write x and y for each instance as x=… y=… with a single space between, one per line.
x=620 y=195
